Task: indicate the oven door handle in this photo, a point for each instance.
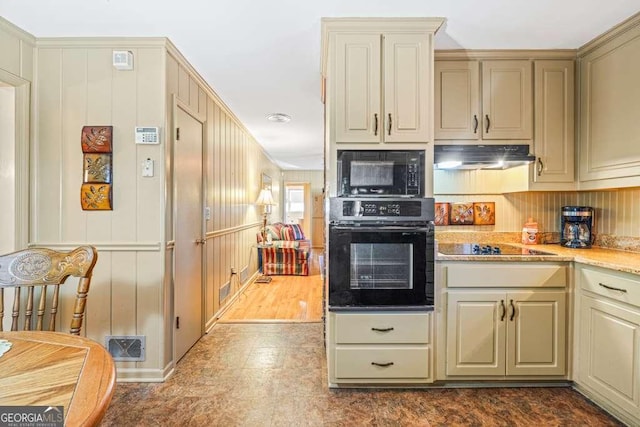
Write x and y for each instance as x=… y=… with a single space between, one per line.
x=389 y=228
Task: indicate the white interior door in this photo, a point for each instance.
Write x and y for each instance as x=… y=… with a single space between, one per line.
x=188 y=324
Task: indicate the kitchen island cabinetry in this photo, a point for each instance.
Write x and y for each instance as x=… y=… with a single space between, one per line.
x=608 y=332
x=503 y=320
x=379 y=347
x=506 y=94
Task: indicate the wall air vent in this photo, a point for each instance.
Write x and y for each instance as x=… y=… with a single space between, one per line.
x=126 y=348
x=122 y=60
x=224 y=291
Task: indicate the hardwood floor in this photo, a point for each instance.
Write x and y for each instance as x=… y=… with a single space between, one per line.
x=284 y=299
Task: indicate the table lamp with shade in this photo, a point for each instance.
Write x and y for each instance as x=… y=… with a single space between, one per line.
x=265 y=199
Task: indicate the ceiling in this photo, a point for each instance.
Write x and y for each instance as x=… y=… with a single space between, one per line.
x=263 y=57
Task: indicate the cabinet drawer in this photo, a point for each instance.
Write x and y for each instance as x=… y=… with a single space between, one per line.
x=380 y=362
x=382 y=328
x=625 y=288
x=506 y=274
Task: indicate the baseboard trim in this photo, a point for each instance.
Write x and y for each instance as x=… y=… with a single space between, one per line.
x=144 y=375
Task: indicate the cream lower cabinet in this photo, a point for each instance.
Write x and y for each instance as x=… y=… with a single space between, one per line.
x=608 y=322
x=501 y=320
x=514 y=333
x=379 y=347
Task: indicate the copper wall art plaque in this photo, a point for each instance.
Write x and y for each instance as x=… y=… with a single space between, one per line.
x=97 y=173
x=484 y=213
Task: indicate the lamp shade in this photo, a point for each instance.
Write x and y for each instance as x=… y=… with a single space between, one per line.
x=265 y=198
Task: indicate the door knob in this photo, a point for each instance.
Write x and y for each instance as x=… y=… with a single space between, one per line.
x=200 y=241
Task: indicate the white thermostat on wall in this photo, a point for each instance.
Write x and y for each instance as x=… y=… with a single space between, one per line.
x=147 y=135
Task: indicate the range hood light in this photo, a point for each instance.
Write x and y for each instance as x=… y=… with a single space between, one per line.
x=469 y=157
x=497 y=165
x=448 y=165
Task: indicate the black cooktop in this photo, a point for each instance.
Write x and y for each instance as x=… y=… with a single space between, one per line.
x=486 y=249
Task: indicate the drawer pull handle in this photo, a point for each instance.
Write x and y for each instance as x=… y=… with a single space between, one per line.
x=382 y=365
x=504 y=310
x=382 y=329
x=612 y=288
x=513 y=310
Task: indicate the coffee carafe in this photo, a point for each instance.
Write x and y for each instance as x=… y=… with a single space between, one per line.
x=576 y=227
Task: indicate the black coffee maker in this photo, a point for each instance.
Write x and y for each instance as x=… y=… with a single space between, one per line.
x=577 y=227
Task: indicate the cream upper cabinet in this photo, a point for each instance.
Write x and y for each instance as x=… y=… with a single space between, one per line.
x=515 y=333
x=357 y=106
x=554 y=121
x=507 y=101
x=382 y=87
x=610 y=107
x=497 y=107
x=457 y=95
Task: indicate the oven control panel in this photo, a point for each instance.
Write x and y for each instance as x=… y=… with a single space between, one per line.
x=380 y=209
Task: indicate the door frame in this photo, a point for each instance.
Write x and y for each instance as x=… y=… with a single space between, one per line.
x=175 y=104
x=22 y=169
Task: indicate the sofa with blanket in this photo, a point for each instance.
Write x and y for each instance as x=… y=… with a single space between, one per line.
x=286 y=250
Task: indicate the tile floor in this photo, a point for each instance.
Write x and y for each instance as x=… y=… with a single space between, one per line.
x=275 y=375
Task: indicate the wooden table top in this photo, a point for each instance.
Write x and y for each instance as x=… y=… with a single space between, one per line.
x=57 y=369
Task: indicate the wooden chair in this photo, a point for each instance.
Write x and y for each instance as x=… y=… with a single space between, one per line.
x=42 y=269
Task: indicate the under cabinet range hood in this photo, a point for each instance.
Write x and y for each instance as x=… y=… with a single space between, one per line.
x=481 y=156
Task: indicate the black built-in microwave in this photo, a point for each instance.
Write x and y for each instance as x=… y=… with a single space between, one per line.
x=372 y=173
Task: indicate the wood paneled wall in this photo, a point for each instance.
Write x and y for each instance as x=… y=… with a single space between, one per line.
x=234 y=164
x=76 y=85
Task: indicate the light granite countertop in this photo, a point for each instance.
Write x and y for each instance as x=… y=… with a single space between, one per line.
x=600 y=257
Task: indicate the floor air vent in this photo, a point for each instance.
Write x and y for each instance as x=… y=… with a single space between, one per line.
x=126 y=348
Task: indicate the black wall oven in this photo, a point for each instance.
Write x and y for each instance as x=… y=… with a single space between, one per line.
x=374 y=173
x=381 y=253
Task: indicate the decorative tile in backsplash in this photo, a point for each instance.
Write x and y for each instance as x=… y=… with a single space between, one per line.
x=465 y=213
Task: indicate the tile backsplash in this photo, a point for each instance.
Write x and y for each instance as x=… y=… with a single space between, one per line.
x=617 y=212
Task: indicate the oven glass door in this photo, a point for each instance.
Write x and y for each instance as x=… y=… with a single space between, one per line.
x=380 y=266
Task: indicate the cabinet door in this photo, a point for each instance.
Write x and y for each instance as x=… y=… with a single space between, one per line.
x=357 y=88
x=536 y=343
x=476 y=333
x=553 y=143
x=407 y=92
x=609 y=109
x=457 y=100
x=507 y=101
x=610 y=352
